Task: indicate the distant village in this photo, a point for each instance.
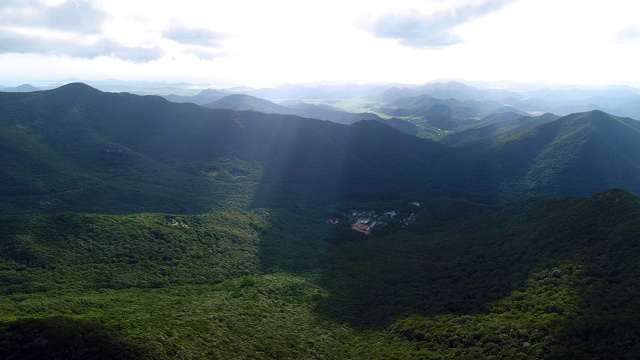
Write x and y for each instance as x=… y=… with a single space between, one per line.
x=365 y=221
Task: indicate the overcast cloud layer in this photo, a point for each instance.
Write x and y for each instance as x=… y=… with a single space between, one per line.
x=255 y=42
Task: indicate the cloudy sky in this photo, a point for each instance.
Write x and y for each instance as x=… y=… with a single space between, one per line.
x=264 y=43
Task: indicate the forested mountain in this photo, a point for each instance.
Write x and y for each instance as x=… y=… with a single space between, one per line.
x=541 y=278
x=579 y=154
x=495 y=126
x=449 y=114
x=204 y=97
x=130 y=153
x=135 y=227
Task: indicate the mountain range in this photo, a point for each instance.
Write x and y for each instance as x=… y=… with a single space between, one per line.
x=137 y=227
x=76 y=142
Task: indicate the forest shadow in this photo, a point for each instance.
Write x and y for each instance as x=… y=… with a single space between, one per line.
x=66 y=338
x=456 y=259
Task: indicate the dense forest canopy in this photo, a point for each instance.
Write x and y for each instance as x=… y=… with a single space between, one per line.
x=136 y=227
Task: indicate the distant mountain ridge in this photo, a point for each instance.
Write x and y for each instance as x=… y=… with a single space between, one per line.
x=449 y=114
x=129 y=153
x=241 y=102
x=495 y=126
x=204 y=97
x=20 y=88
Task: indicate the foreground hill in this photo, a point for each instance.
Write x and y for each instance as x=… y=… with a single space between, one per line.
x=541 y=278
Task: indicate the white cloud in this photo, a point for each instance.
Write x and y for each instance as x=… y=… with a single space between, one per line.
x=67 y=28
x=424 y=30
x=251 y=42
x=629 y=34
x=16 y=43
x=194 y=36
x=70 y=16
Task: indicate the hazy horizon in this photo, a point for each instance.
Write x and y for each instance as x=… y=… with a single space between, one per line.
x=264 y=44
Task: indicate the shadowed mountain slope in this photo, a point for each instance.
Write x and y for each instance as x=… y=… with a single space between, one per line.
x=560 y=266
x=494 y=126
x=130 y=153
x=539 y=278
x=578 y=154
x=76 y=148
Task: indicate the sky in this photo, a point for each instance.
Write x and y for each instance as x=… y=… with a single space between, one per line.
x=261 y=43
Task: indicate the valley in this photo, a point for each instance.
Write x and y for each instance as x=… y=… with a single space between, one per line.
x=444 y=222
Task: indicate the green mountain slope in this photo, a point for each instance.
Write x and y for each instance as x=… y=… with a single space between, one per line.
x=495 y=126
x=223 y=247
x=449 y=114
x=78 y=149
x=580 y=153
x=542 y=278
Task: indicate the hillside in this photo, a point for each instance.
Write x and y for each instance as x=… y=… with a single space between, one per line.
x=78 y=149
x=581 y=153
x=495 y=126
x=448 y=114
x=129 y=153
x=541 y=278
x=134 y=227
